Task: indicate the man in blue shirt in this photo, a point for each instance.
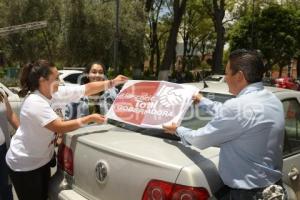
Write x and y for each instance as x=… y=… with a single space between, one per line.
x=249 y=129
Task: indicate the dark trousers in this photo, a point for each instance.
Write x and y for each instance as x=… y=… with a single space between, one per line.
x=31 y=185
x=227 y=193
x=5 y=188
x=240 y=194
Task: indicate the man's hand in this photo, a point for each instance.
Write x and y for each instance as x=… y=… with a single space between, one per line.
x=197 y=98
x=170 y=129
x=120 y=79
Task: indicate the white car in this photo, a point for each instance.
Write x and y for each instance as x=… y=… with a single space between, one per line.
x=113 y=162
x=216 y=78
x=69 y=76
x=14 y=100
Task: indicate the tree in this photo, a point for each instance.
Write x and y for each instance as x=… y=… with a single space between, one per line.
x=169 y=54
x=196 y=29
x=297 y=27
x=27 y=46
x=216 y=9
x=132 y=51
x=153 y=39
x=275 y=35
x=90 y=33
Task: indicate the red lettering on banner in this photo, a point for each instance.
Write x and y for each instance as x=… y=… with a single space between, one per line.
x=150 y=103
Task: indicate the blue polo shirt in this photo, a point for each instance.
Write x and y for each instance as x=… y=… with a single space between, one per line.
x=249 y=130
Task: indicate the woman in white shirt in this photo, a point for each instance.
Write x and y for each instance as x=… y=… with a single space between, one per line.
x=6 y=114
x=32 y=146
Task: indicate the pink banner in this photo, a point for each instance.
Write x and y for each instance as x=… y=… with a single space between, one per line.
x=151 y=103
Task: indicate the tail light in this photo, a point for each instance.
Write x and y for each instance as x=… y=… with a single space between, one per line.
x=65 y=158
x=161 y=190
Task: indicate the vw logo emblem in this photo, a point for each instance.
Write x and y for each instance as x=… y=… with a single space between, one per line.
x=101 y=171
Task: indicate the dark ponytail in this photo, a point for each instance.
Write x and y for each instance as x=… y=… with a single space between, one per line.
x=31 y=74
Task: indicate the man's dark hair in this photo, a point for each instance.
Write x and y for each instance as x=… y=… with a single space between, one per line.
x=249 y=62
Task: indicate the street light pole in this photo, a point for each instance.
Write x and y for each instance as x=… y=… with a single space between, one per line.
x=116 y=39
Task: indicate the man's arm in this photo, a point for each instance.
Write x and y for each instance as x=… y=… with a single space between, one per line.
x=222 y=128
x=209 y=106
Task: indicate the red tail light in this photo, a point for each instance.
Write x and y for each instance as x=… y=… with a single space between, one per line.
x=161 y=190
x=65 y=158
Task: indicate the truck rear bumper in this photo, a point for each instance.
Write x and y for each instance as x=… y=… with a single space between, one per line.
x=59 y=188
x=70 y=195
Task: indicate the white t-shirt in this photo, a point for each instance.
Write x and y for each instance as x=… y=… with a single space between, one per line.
x=33 y=145
x=2 y=137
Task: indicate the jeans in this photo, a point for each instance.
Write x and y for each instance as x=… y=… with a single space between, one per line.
x=5 y=187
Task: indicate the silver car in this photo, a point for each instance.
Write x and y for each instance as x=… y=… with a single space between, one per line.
x=118 y=161
x=216 y=78
x=15 y=102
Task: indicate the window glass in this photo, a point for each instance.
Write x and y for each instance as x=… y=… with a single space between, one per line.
x=196 y=118
x=292 y=126
x=72 y=78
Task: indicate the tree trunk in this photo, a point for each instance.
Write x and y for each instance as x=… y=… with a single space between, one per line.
x=184 y=56
x=185 y=45
x=157 y=59
x=154 y=41
x=151 y=62
x=298 y=67
x=218 y=15
x=172 y=39
x=138 y=66
x=280 y=71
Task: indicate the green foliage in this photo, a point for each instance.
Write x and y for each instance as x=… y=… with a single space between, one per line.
x=196 y=31
x=149 y=76
x=274 y=32
x=78 y=32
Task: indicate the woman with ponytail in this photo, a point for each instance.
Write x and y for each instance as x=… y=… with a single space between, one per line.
x=32 y=146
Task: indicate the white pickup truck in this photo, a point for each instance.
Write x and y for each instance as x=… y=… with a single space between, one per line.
x=121 y=162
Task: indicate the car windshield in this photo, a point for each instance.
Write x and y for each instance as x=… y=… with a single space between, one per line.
x=194 y=119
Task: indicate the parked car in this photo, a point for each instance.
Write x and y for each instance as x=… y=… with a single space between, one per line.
x=216 y=78
x=286 y=82
x=14 y=100
x=70 y=76
x=118 y=161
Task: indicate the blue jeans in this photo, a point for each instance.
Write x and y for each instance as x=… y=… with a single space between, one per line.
x=5 y=188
